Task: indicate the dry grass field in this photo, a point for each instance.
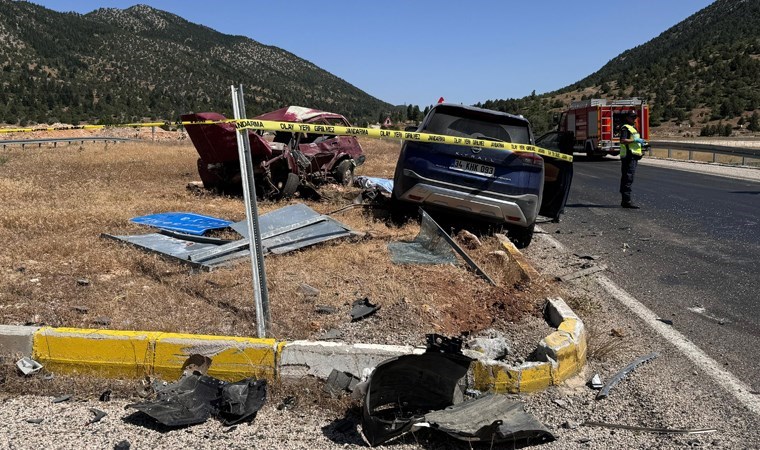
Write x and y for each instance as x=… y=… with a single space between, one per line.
x=58 y=271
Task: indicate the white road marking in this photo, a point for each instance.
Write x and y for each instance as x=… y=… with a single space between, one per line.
x=740 y=390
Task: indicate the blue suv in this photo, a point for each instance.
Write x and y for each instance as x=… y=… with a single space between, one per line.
x=492 y=185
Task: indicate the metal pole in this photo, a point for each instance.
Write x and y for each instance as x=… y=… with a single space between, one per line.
x=260 y=294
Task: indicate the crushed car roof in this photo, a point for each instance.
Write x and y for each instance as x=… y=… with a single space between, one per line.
x=297 y=114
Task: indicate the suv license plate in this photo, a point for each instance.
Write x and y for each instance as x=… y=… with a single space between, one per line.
x=472 y=167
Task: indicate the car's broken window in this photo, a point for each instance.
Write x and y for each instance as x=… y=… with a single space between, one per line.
x=282 y=137
x=317 y=138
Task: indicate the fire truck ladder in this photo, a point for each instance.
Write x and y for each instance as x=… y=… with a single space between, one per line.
x=605 y=127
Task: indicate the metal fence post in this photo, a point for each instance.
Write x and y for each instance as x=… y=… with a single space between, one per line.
x=260 y=294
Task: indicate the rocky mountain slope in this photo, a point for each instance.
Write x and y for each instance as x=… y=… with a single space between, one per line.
x=123 y=65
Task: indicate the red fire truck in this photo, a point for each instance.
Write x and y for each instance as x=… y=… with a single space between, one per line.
x=596 y=124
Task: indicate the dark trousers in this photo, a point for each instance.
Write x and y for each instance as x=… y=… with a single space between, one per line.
x=627 y=170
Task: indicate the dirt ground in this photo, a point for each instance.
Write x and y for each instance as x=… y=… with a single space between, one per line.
x=58 y=271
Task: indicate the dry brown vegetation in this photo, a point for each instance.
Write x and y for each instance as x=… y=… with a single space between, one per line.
x=55 y=203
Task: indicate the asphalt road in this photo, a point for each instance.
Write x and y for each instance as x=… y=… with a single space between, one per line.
x=691 y=254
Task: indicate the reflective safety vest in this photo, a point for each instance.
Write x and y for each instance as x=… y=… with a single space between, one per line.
x=634 y=147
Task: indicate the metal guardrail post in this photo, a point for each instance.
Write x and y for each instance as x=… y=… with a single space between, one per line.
x=260 y=294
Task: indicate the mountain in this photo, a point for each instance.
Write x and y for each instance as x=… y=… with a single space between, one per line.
x=139 y=63
x=701 y=71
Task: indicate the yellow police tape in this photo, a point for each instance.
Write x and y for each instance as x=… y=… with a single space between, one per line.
x=269 y=125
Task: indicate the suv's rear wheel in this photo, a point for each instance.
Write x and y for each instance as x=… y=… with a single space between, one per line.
x=521 y=236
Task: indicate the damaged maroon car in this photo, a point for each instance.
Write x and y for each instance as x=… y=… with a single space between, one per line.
x=284 y=162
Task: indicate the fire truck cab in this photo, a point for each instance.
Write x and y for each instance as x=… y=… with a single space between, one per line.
x=596 y=124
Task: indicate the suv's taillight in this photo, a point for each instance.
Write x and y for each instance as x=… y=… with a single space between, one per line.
x=530 y=158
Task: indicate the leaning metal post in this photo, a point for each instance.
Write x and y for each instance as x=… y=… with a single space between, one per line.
x=252 y=217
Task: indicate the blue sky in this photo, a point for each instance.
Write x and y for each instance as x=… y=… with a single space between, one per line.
x=403 y=51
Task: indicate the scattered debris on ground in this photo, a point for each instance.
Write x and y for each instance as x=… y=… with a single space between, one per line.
x=28 y=366
x=283 y=230
x=649 y=429
x=582 y=273
x=411 y=392
x=614 y=380
x=362 y=308
x=196 y=397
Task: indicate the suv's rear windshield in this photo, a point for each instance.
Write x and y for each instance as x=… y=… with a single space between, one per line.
x=478 y=127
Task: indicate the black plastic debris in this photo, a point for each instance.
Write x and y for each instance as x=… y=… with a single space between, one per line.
x=428 y=390
x=196 y=397
x=491 y=418
x=98 y=416
x=339 y=382
x=443 y=344
x=362 y=308
x=105 y=396
x=189 y=401
x=401 y=390
x=35 y=421
x=666 y=321
x=242 y=400
x=122 y=445
x=61 y=399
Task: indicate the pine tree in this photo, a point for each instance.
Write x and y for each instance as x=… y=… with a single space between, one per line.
x=754 y=122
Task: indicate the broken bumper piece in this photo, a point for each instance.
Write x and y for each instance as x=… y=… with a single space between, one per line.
x=491 y=418
x=194 y=398
x=428 y=390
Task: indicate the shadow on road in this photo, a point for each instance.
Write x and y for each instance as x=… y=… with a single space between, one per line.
x=594 y=159
x=589 y=205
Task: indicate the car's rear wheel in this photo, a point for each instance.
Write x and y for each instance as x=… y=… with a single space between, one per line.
x=521 y=236
x=344 y=172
